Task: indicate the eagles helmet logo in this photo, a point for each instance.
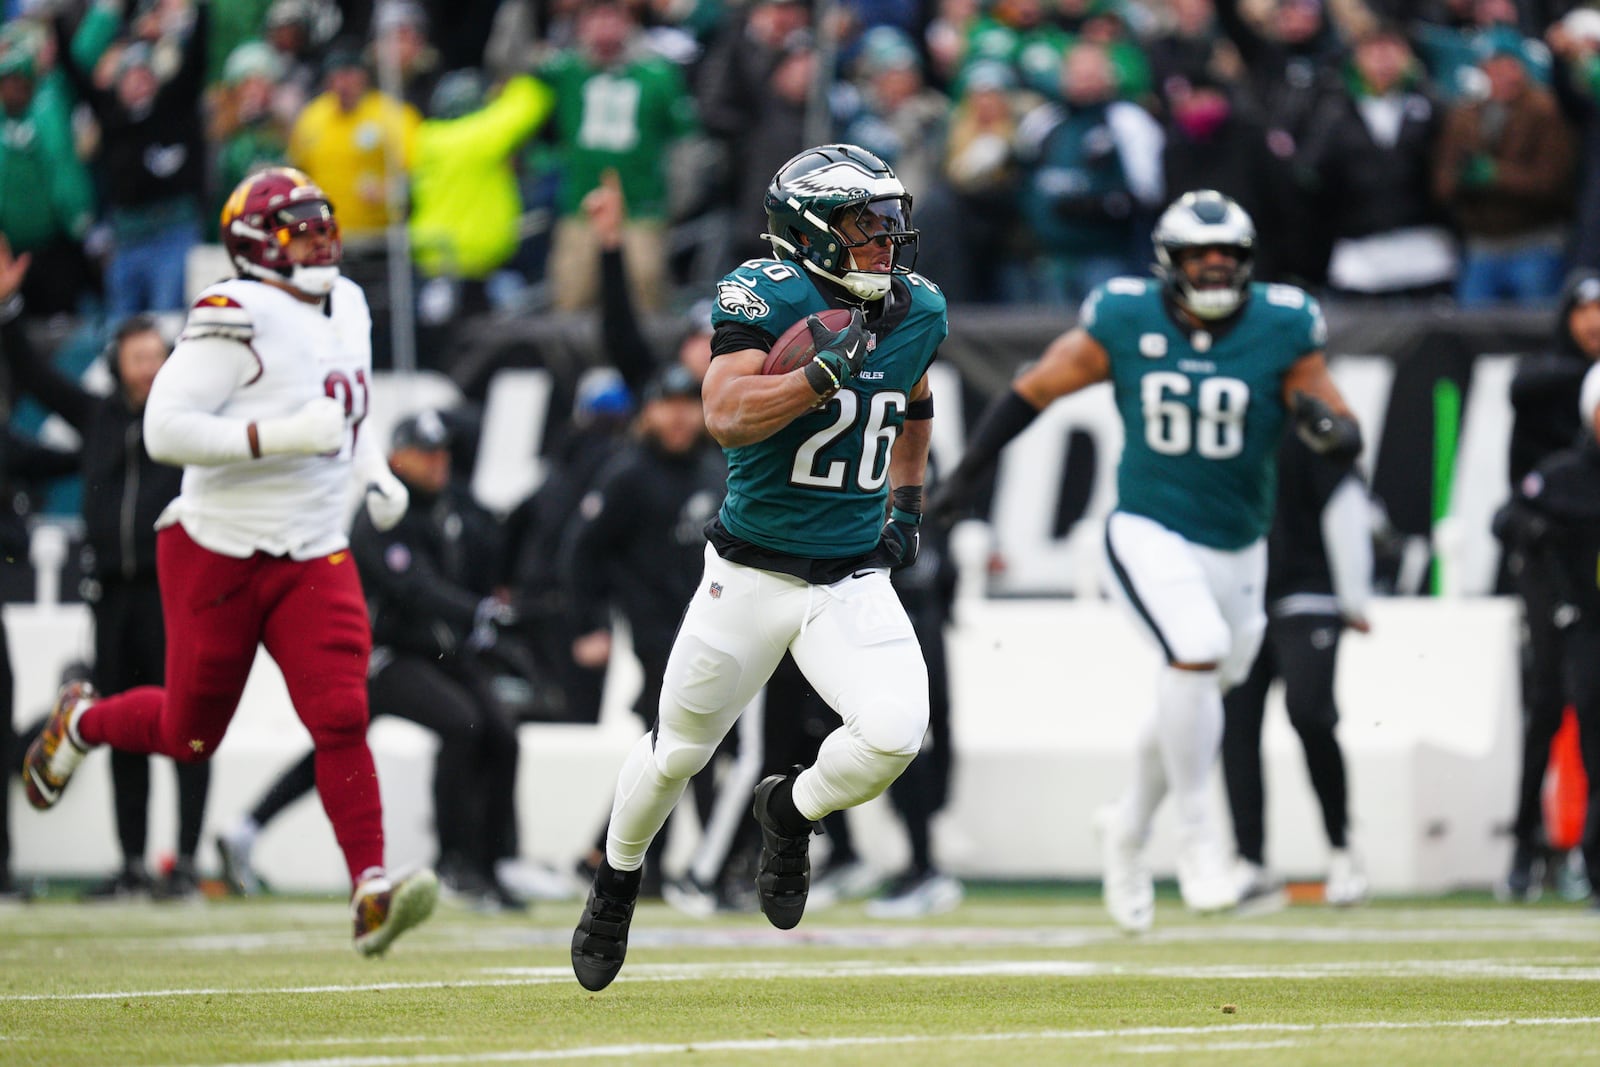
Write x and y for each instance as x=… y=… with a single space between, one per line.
x=737 y=299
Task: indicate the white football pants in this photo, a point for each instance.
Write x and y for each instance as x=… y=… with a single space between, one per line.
x=853 y=642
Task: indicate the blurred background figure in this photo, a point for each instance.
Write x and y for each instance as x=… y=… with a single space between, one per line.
x=618 y=107
x=1505 y=167
x=465 y=203
x=1366 y=164
x=636 y=549
x=248 y=130
x=151 y=165
x=1544 y=398
x=1093 y=180
x=124 y=493
x=1319 y=582
x=47 y=200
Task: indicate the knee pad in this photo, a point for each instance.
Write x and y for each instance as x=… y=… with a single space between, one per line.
x=892 y=727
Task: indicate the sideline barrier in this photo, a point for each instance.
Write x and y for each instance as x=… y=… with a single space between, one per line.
x=1048 y=694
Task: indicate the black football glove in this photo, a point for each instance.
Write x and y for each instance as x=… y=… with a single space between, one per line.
x=840 y=353
x=902 y=536
x=1325 y=432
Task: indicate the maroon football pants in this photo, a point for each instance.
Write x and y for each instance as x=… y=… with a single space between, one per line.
x=312 y=618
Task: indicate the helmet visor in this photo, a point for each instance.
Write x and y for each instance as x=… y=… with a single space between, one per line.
x=308 y=218
x=882 y=224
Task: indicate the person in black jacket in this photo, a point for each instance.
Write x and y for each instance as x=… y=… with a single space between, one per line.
x=151 y=166
x=637 y=544
x=1319 y=579
x=1553 y=522
x=124 y=492
x=433 y=618
x=1544 y=403
x=22 y=371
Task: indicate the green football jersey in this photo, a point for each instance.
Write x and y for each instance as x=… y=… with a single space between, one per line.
x=1202 y=411
x=819 y=487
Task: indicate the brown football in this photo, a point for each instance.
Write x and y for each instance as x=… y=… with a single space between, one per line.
x=795 y=348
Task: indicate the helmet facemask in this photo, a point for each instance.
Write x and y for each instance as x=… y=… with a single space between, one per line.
x=315 y=271
x=1197 y=222
x=264 y=218
x=1215 y=290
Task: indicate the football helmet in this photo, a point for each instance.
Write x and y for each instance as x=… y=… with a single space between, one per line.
x=831 y=200
x=1205 y=218
x=264 y=213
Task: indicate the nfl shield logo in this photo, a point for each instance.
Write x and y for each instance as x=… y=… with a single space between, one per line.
x=716 y=590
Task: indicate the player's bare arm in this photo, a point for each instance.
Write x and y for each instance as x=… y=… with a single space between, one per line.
x=1321 y=416
x=1071 y=362
x=908 y=464
x=744 y=406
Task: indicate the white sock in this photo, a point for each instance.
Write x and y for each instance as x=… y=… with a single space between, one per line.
x=645 y=798
x=1137 y=809
x=243 y=834
x=1189 y=731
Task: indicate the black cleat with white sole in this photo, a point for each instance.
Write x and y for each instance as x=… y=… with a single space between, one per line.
x=784 y=879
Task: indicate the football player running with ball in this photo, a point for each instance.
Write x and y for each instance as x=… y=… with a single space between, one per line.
x=261 y=403
x=800 y=554
x=1205 y=366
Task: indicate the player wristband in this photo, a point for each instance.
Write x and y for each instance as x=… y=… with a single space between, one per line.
x=905 y=505
x=821 y=378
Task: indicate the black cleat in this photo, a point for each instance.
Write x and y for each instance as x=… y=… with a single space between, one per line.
x=784 y=877
x=600 y=943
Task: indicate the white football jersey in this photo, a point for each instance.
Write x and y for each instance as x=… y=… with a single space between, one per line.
x=283 y=353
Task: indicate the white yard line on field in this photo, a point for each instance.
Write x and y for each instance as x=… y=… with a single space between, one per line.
x=771 y=1045
x=1209 y=1046
x=788 y=970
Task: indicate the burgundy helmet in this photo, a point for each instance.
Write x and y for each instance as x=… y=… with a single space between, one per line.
x=268 y=209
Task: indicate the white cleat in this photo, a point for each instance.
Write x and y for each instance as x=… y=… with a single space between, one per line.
x=1126 y=885
x=1347 y=881
x=1259 y=892
x=1205 y=881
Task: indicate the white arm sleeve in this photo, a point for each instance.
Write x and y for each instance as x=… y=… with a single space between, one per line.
x=1589 y=399
x=1347 y=534
x=1140 y=142
x=369 y=462
x=181 y=426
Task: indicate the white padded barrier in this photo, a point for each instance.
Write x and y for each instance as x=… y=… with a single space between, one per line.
x=1048 y=696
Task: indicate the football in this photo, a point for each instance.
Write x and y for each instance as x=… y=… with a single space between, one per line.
x=795 y=349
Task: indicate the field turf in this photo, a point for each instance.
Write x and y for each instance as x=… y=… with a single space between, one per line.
x=1015 y=976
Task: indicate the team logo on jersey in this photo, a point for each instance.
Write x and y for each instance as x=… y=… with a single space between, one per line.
x=1152 y=345
x=715 y=590
x=738 y=299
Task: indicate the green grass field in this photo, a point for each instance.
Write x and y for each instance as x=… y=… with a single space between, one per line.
x=1013 y=976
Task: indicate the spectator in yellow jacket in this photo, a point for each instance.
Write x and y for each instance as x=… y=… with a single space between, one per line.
x=356 y=143
x=464 y=198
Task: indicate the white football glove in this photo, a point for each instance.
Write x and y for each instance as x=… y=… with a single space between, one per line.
x=316 y=428
x=387 y=500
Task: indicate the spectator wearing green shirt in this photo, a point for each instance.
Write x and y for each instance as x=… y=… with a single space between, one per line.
x=617 y=107
x=46 y=196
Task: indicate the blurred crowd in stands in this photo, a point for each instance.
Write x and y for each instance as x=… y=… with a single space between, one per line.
x=1386 y=148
